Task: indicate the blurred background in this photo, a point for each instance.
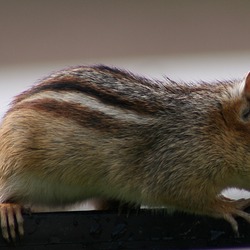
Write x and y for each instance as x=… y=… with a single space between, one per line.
x=184 y=40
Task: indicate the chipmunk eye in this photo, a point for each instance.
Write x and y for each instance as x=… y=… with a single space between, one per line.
x=246 y=114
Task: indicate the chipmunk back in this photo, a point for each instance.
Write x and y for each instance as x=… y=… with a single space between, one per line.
x=100 y=132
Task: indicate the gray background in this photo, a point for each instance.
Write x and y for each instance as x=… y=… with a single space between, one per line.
x=183 y=39
x=34 y=31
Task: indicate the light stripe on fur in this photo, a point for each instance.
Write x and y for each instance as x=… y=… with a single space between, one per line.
x=86 y=101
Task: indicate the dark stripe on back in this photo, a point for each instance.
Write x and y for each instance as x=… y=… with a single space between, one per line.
x=106 y=96
x=145 y=103
x=84 y=116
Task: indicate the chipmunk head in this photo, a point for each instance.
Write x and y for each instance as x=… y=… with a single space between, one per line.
x=230 y=132
x=236 y=114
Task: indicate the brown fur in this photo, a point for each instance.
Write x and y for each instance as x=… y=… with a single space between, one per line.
x=96 y=131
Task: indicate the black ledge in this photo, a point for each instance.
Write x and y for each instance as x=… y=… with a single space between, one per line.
x=144 y=230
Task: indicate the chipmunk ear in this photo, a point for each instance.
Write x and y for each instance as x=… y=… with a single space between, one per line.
x=246 y=94
x=247 y=86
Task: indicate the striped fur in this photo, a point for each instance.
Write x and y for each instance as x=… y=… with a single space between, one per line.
x=86 y=132
x=109 y=86
x=86 y=99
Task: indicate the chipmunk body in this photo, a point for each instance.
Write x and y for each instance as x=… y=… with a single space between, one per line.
x=87 y=132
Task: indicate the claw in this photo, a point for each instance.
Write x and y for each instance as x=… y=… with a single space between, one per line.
x=11 y=222
x=4 y=223
x=234 y=224
x=19 y=219
x=243 y=215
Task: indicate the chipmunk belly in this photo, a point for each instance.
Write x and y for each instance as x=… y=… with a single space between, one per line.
x=29 y=188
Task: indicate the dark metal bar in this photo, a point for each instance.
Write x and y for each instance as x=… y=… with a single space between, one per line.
x=149 y=229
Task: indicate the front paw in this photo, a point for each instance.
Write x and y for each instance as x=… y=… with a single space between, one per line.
x=11 y=221
x=229 y=209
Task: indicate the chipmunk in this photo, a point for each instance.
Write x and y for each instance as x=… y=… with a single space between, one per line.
x=96 y=131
